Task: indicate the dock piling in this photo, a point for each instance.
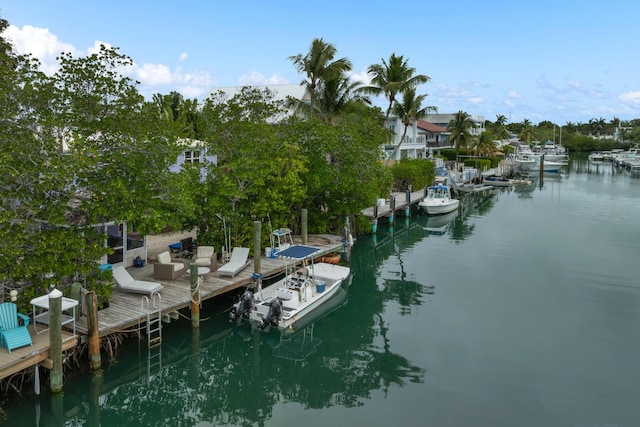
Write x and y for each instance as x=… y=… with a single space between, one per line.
x=95 y=361
x=55 y=340
x=195 y=296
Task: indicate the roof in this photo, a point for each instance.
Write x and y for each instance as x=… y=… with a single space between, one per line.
x=430 y=127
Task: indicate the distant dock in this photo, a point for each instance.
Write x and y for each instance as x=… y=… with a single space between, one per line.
x=386 y=208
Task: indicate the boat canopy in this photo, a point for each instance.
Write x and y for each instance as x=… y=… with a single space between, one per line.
x=298 y=252
x=438 y=187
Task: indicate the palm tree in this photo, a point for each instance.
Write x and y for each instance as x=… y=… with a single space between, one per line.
x=393 y=77
x=318 y=64
x=527 y=131
x=484 y=145
x=334 y=98
x=460 y=131
x=409 y=110
x=501 y=120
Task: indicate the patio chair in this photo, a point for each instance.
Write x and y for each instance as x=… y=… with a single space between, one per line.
x=166 y=269
x=127 y=283
x=12 y=334
x=237 y=262
x=205 y=256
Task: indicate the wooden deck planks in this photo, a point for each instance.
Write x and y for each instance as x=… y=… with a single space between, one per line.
x=24 y=357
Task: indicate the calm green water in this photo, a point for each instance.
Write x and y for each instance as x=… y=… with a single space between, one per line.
x=523 y=311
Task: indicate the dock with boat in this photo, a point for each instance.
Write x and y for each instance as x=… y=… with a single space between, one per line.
x=129 y=312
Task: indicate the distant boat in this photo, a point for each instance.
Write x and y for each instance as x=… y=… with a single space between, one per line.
x=501 y=181
x=439 y=200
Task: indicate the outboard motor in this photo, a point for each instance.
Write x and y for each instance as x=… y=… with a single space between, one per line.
x=273 y=317
x=245 y=305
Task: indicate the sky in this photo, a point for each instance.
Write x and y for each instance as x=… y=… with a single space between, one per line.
x=562 y=61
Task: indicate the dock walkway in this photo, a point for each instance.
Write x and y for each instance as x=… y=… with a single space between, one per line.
x=397 y=202
x=125 y=311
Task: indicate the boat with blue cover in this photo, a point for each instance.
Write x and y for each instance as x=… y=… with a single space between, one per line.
x=305 y=287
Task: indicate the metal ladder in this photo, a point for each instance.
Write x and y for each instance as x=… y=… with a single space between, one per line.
x=153 y=311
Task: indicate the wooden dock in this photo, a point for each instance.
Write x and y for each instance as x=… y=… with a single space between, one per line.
x=126 y=310
x=396 y=202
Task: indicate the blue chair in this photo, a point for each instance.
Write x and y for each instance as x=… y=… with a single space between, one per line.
x=12 y=334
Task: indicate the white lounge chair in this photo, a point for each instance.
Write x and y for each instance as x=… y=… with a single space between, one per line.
x=237 y=262
x=127 y=283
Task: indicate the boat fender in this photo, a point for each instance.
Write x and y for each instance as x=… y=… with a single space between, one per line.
x=244 y=307
x=275 y=311
x=350 y=240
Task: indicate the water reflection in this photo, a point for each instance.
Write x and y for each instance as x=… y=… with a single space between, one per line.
x=225 y=374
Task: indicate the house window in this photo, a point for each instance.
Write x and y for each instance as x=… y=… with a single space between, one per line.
x=192 y=156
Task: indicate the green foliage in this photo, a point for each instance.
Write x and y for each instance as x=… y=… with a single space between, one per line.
x=416 y=173
x=79 y=148
x=480 y=164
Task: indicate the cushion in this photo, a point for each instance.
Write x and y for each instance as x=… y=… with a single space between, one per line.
x=164 y=257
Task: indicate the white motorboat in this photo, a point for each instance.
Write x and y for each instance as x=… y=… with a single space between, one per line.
x=439 y=200
x=530 y=162
x=299 y=293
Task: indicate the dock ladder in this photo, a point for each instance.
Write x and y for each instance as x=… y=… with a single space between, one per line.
x=153 y=310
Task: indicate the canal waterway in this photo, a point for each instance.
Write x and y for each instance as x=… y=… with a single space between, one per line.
x=522 y=310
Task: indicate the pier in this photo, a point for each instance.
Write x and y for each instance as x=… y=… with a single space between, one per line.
x=126 y=311
x=397 y=202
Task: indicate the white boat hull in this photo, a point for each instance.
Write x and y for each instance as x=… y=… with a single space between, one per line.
x=440 y=207
x=438 y=200
x=298 y=294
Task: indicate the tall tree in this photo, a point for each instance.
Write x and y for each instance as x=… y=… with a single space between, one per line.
x=258 y=173
x=526 y=134
x=318 y=64
x=484 y=144
x=392 y=78
x=409 y=109
x=460 y=131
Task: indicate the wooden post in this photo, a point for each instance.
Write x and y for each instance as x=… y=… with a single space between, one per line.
x=407 y=210
x=55 y=339
x=392 y=202
x=257 y=246
x=76 y=294
x=95 y=363
x=195 y=296
x=303 y=226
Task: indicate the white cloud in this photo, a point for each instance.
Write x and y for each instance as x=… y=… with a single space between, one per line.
x=513 y=94
x=363 y=77
x=154 y=78
x=40 y=43
x=630 y=98
x=254 y=78
x=153 y=74
x=452 y=91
